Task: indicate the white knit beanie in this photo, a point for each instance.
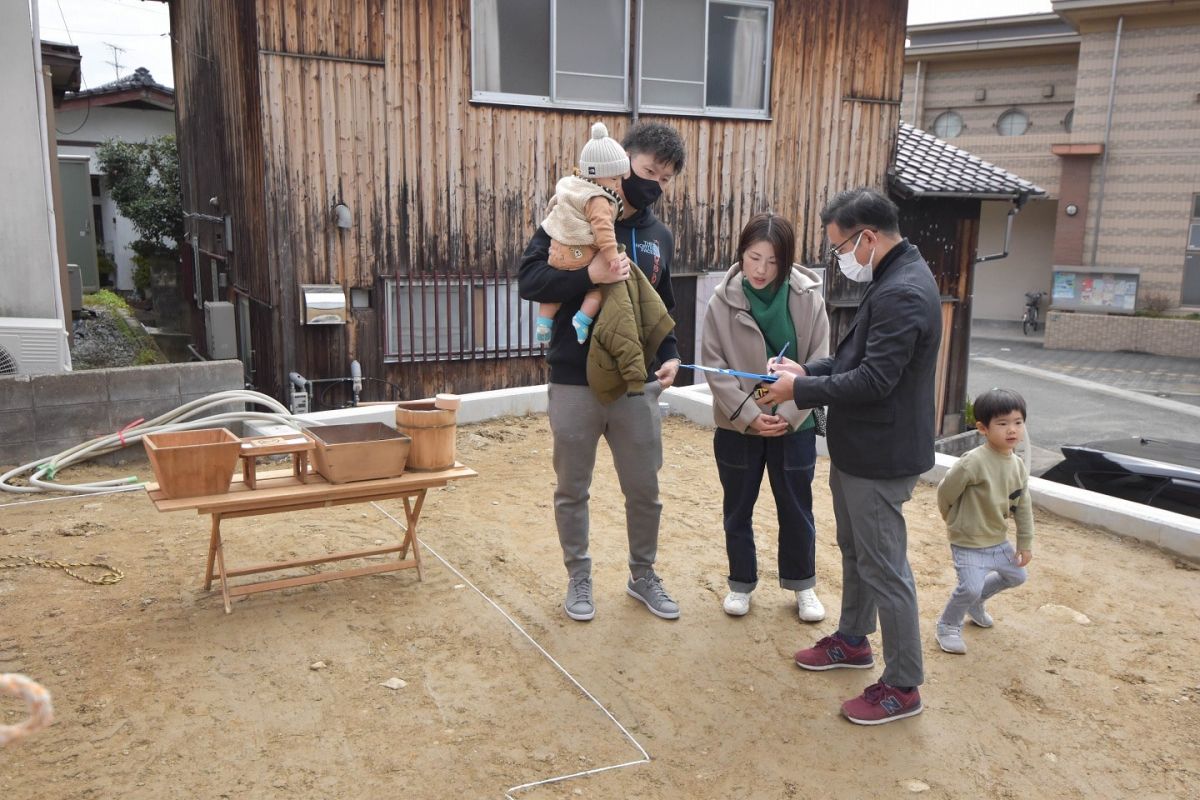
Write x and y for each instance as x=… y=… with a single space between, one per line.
x=602 y=157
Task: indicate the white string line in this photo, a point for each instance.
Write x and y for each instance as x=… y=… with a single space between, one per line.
x=131 y=488
x=645 y=759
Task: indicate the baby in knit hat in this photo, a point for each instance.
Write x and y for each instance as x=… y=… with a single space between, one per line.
x=580 y=223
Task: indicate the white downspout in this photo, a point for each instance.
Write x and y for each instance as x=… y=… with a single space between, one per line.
x=1112 y=96
x=916 y=106
x=52 y=221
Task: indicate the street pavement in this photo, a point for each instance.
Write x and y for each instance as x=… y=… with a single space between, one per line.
x=1076 y=397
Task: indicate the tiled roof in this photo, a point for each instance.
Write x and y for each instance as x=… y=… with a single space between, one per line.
x=925 y=166
x=140 y=78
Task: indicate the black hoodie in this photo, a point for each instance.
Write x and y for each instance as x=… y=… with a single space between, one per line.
x=646 y=240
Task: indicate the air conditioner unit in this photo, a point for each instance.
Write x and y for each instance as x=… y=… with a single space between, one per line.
x=30 y=346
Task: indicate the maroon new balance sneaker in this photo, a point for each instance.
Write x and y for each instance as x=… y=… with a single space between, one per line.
x=831 y=653
x=881 y=703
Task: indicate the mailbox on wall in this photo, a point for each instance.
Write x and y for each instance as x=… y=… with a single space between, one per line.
x=322 y=304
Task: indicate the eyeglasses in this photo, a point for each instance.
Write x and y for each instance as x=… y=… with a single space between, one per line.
x=834 y=252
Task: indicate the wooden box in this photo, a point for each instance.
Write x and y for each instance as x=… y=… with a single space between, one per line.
x=193 y=463
x=360 y=451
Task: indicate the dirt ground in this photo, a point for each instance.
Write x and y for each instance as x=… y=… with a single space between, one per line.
x=159 y=694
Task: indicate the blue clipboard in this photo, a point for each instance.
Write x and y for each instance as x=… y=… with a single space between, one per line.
x=735 y=372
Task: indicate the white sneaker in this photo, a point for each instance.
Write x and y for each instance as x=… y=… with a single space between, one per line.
x=809 y=606
x=737 y=604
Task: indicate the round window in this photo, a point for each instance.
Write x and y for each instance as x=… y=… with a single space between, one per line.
x=1012 y=123
x=947 y=125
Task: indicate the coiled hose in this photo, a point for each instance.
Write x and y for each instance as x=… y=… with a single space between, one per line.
x=187 y=417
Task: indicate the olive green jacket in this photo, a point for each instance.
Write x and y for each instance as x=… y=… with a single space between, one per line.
x=631 y=325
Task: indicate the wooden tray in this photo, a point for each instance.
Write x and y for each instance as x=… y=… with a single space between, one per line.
x=360 y=451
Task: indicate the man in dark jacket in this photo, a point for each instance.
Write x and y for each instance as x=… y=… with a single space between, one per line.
x=879 y=386
x=631 y=424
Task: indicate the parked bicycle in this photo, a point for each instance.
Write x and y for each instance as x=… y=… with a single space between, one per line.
x=1029 y=320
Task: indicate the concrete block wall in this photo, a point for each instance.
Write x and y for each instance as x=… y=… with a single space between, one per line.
x=41 y=415
x=1110 y=333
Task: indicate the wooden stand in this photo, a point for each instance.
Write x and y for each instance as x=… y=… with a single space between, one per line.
x=282 y=491
x=297 y=445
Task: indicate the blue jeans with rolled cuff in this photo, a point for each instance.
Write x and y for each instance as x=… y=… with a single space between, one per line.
x=789 y=462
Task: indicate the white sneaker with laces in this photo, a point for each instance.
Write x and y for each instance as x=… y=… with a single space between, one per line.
x=737 y=604
x=809 y=606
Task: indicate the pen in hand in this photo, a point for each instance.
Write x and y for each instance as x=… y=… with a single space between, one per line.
x=779 y=357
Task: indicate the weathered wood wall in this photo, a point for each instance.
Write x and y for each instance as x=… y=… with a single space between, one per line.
x=368 y=101
x=946 y=231
x=220 y=139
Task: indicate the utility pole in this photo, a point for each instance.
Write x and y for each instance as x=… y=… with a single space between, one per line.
x=116 y=59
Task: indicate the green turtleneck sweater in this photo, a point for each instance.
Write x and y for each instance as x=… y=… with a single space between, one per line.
x=769 y=307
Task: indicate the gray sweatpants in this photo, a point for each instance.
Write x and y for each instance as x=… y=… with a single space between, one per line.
x=982 y=572
x=633 y=429
x=876 y=578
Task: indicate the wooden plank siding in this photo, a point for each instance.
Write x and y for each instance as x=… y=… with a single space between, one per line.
x=439 y=185
x=220 y=141
x=946 y=231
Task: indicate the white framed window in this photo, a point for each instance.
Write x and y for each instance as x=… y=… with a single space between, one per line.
x=695 y=57
x=439 y=318
x=947 y=125
x=560 y=53
x=1013 y=122
x=706 y=57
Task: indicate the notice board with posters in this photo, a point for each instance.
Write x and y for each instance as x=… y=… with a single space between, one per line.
x=1102 y=289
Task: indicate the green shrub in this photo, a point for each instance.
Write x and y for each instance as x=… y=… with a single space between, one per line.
x=141 y=274
x=105 y=264
x=106 y=299
x=143 y=180
x=147 y=356
x=969 y=415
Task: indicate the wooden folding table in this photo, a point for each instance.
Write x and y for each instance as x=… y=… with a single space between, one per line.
x=281 y=491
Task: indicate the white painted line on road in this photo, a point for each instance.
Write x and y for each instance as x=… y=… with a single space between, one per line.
x=1093 y=386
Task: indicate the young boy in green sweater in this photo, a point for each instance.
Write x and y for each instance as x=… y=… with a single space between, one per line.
x=978 y=495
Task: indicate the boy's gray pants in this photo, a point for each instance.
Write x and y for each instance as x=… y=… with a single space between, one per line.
x=982 y=572
x=876 y=578
x=633 y=429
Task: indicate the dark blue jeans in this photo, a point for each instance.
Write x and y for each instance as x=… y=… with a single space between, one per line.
x=789 y=462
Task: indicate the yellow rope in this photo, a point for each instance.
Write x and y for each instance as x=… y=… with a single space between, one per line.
x=114 y=575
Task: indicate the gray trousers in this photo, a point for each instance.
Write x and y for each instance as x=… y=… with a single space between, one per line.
x=876 y=578
x=633 y=429
x=982 y=572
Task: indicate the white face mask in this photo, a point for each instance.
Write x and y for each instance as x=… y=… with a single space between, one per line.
x=848 y=264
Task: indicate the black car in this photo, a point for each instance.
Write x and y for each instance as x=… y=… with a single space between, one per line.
x=1164 y=473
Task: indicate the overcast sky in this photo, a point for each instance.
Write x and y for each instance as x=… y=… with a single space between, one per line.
x=141 y=27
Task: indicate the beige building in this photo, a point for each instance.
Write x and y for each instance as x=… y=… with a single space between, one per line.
x=1098 y=102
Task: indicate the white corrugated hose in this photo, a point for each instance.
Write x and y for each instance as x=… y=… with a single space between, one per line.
x=187 y=417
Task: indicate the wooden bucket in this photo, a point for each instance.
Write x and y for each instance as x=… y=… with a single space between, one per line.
x=432 y=430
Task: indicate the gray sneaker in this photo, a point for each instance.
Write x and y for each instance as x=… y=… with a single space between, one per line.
x=578 y=604
x=649 y=590
x=980 y=616
x=949 y=638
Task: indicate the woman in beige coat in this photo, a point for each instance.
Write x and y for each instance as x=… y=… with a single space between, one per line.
x=761 y=308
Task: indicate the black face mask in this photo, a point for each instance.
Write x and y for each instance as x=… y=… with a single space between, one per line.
x=640 y=192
